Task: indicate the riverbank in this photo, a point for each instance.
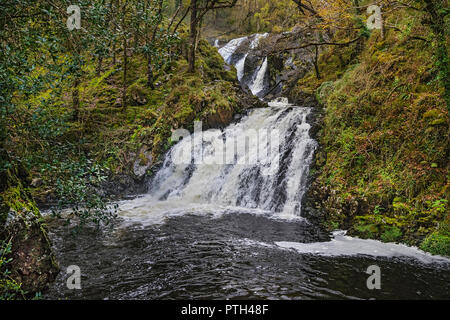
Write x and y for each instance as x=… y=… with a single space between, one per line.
x=381 y=168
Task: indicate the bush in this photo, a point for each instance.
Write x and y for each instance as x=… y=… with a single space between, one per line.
x=437 y=243
x=76 y=188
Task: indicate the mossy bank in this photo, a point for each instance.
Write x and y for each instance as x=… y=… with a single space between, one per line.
x=382 y=168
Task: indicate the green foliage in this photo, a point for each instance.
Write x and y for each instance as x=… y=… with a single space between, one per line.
x=51 y=77
x=438 y=242
x=385 y=137
x=323 y=91
x=377 y=226
x=391 y=234
x=76 y=184
x=9 y=288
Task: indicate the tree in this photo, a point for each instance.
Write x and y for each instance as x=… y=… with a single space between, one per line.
x=198 y=9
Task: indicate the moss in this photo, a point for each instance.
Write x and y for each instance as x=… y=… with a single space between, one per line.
x=16 y=199
x=391 y=234
x=29 y=256
x=324 y=91
x=437 y=243
x=138 y=93
x=383 y=141
x=433 y=113
x=438 y=122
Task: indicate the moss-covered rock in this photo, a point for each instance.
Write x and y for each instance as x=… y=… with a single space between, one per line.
x=33 y=264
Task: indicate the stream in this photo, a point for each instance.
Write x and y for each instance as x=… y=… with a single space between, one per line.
x=222 y=220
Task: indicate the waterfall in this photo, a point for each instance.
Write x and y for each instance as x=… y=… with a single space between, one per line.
x=233 y=53
x=257 y=86
x=240 y=67
x=259 y=163
x=229 y=49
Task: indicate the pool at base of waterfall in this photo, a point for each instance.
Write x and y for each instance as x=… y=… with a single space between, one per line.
x=238 y=254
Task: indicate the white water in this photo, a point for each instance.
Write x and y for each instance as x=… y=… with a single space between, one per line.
x=240 y=67
x=256 y=84
x=260 y=163
x=343 y=245
x=229 y=49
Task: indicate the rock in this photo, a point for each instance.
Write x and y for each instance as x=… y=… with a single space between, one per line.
x=237 y=117
x=142 y=163
x=220 y=118
x=33 y=261
x=138 y=95
x=138 y=99
x=36 y=182
x=118 y=102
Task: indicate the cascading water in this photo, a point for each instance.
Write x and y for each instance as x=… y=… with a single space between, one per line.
x=257 y=86
x=261 y=162
x=222 y=220
x=233 y=53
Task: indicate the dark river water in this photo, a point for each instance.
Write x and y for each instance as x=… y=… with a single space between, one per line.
x=233 y=256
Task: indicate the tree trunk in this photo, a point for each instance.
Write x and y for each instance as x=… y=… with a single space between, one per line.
x=151 y=42
x=199 y=30
x=99 y=66
x=114 y=54
x=316 y=62
x=76 y=98
x=437 y=14
x=124 y=80
x=150 y=72
x=193 y=36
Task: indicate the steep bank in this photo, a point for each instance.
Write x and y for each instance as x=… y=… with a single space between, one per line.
x=382 y=168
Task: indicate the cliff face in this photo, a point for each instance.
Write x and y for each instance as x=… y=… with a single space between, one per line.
x=29 y=257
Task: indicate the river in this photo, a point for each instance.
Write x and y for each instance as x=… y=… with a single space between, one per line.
x=222 y=220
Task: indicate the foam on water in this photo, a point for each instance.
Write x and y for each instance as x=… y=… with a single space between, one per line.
x=228 y=51
x=343 y=245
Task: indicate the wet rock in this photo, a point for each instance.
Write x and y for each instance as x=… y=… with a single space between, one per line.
x=33 y=261
x=143 y=162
